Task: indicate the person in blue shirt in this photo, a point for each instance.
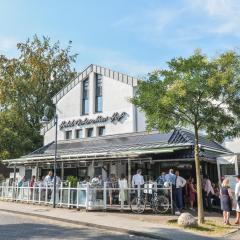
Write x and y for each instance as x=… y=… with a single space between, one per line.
x=171 y=177
x=161 y=179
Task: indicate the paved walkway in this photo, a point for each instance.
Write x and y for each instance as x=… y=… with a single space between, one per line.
x=145 y=225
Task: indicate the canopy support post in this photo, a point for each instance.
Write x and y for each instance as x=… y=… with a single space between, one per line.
x=62 y=171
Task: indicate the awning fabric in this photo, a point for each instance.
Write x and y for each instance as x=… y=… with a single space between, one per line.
x=228 y=159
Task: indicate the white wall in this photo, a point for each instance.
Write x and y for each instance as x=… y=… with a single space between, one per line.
x=116 y=97
x=141 y=121
x=21 y=171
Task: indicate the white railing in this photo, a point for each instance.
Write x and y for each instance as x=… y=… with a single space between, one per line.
x=84 y=195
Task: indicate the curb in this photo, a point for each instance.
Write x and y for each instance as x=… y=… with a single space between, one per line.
x=87 y=224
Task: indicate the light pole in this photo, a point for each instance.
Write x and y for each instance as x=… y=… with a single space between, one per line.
x=45 y=120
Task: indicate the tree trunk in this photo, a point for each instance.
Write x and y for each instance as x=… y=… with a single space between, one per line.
x=198 y=178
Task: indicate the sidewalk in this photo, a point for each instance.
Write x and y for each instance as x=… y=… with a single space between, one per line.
x=141 y=225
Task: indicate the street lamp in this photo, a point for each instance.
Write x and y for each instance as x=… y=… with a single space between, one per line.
x=45 y=120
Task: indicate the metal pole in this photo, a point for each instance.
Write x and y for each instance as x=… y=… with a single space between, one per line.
x=14 y=175
x=55 y=161
x=14 y=182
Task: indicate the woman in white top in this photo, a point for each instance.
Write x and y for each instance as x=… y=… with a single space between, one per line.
x=237 y=195
x=123 y=185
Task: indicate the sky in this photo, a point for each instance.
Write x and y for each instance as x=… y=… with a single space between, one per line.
x=130 y=36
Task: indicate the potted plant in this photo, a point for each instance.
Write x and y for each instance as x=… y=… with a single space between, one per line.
x=73 y=184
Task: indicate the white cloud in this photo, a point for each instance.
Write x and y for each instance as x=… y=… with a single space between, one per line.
x=149 y=21
x=224 y=15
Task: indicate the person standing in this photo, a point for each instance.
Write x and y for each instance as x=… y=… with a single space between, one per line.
x=31 y=185
x=58 y=184
x=226 y=200
x=237 y=195
x=138 y=182
x=180 y=184
x=21 y=183
x=161 y=179
x=203 y=192
x=192 y=194
x=171 y=178
x=137 y=179
x=123 y=185
x=48 y=179
x=48 y=183
x=209 y=192
x=112 y=184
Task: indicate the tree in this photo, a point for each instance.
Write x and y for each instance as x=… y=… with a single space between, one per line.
x=16 y=136
x=197 y=93
x=27 y=84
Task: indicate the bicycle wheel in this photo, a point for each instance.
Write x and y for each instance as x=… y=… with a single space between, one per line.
x=137 y=205
x=161 y=204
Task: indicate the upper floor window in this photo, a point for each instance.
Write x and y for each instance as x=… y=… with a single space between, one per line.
x=85 y=97
x=98 y=97
x=89 y=132
x=68 y=134
x=101 y=131
x=79 y=133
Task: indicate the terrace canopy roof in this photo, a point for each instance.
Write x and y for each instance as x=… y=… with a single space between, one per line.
x=121 y=146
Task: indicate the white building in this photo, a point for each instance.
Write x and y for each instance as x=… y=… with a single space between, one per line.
x=96 y=104
x=101 y=132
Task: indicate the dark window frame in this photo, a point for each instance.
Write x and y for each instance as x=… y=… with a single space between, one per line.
x=70 y=135
x=85 y=97
x=89 y=129
x=103 y=132
x=98 y=93
x=77 y=133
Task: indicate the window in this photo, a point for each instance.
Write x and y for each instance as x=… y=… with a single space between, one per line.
x=101 y=131
x=89 y=132
x=97 y=171
x=98 y=97
x=85 y=97
x=79 y=133
x=28 y=174
x=68 y=134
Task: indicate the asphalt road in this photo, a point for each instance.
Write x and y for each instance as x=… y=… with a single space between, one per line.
x=19 y=227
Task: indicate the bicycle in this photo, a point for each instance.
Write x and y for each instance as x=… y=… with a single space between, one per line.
x=159 y=204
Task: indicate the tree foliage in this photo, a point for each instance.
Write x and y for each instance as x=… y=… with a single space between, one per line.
x=195 y=92
x=27 y=84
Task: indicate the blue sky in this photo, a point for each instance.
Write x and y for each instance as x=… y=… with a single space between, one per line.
x=132 y=36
